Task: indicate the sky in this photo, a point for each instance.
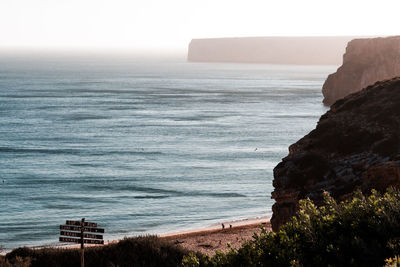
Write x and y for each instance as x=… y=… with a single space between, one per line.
x=171 y=24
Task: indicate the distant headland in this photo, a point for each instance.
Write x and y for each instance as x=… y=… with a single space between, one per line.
x=365 y=62
x=270 y=50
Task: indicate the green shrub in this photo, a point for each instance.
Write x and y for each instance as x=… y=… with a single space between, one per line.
x=363 y=231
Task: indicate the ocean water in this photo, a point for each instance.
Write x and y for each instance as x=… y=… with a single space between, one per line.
x=144 y=146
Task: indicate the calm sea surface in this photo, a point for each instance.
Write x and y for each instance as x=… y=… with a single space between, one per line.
x=144 y=146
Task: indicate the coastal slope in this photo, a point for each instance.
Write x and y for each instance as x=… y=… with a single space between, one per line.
x=365 y=62
x=270 y=50
x=356 y=144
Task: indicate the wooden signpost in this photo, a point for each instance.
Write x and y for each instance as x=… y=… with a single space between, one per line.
x=76 y=232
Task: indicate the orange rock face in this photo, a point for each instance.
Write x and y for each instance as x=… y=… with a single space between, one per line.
x=365 y=62
x=356 y=145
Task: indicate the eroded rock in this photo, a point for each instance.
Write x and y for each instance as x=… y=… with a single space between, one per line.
x=356 y=144
x=365 y=62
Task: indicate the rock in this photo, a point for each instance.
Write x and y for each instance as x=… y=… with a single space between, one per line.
x=365 y=62
x=356 y=144
x=271 y=50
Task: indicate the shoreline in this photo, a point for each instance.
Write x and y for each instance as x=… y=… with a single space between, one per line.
x=210 y=240
x=214 y=227
x=240 y=228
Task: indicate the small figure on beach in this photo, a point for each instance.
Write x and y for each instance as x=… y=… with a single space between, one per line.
x=230 y=226
x=223 y=226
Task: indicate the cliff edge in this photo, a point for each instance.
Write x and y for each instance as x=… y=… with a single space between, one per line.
x=365 y=62
x=356 y=144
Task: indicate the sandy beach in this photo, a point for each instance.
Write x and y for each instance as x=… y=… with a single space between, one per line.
x=204 y=240
x=209 y=240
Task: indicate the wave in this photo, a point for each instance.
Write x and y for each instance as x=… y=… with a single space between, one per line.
x=80 y=202
x=196 y=118
x=86 y=165
x=82 y=117
x=21 y=226
x=31 y=179
x=165 y=192
x=127 y=107
x=150 y=197
x=294 y=116
x=38 y=150
x=59 y=206
x=29 y=96
x=81 y=152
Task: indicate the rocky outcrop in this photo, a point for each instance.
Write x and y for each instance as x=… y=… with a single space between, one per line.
x=270 y=50
x=356 y=144
x=365 y=62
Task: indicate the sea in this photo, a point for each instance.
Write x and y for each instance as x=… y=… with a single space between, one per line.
x=144 y=146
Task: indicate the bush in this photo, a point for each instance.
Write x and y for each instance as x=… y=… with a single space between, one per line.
x=363 y=231
x=138 y=251
x=392 y=262
x=17 y=262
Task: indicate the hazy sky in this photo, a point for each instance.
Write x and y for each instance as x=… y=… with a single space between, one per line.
x=170 y=24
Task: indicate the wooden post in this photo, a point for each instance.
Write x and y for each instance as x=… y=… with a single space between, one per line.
x=82 y=244
x=81 y=232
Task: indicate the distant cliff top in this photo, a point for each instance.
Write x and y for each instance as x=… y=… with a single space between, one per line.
x=365 y=62
x=270 y=50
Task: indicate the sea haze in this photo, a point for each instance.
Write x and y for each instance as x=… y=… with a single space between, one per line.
x=144 y=146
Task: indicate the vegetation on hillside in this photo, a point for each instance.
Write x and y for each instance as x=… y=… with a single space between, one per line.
x=363 y=231
x=139 y=251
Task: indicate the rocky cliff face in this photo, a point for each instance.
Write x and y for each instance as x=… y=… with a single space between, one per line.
x=356 y=144
x=365 y=62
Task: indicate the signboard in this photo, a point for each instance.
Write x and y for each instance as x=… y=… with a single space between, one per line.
x=78 y=229
x=78 y=241
x=81 y=232
x=68 y=239
x=78 y=223
x=92 y=236
x=93 y=241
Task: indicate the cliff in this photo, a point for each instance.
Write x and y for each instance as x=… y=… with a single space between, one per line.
x=356 y=144
x=365 y=62
x=272 y=50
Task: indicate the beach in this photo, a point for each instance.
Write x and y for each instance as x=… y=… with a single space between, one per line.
x=210 y=240
x=204 y=240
